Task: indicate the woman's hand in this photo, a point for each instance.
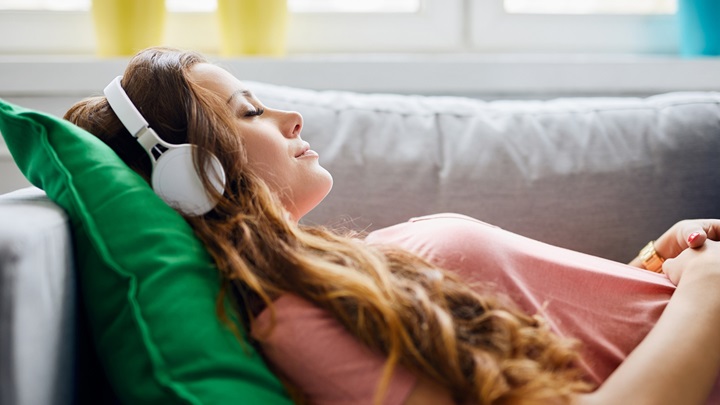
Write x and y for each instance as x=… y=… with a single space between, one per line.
x=698 y=263
x=678 y=362
x=689 y=233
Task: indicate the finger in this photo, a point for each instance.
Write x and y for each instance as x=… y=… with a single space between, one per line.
x=712 y=229
x=672 y=270
x=690 y=233
x=704 y=258
x=675 y=267
x=695 y=232
x=696 y=238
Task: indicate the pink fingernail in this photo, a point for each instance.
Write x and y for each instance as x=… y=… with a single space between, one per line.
x=692 y=237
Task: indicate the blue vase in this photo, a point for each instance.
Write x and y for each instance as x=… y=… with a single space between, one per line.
x=699 y=23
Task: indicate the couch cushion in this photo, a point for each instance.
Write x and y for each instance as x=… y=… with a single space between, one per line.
x=148 y=285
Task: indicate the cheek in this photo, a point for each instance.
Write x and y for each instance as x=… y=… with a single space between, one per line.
x=269 y=161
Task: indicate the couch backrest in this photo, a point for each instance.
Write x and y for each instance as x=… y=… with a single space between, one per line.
x=598 y=175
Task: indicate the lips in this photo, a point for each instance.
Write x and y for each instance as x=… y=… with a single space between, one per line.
x=308 y=153
x=305 y=151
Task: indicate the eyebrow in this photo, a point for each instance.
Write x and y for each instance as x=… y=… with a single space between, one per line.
x=245 y=93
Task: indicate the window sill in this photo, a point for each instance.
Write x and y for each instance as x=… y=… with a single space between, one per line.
x=481 y=75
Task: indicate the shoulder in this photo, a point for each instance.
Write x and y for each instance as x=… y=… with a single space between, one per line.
x=438 y=236
x=439 y=226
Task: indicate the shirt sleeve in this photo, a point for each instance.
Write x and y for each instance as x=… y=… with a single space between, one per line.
x=323 y=359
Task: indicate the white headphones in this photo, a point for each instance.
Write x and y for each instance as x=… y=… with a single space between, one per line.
x=174 y=177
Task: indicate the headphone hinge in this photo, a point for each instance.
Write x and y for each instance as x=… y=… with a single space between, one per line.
x=148 y=138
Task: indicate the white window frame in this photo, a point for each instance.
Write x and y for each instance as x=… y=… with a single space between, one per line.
x=434 y=27
x=491 y=29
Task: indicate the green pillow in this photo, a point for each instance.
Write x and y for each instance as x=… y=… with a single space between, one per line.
x=148 y=284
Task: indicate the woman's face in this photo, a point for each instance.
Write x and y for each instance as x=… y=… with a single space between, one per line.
x=276 y=152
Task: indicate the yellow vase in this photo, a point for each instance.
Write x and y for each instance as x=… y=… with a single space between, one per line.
x=252 y=27
x=124 y=27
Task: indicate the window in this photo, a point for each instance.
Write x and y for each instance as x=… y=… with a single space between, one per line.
x=306 y=6
x=577 y=26
x=44 y=5
x=347 y=26
x=65 y=26
x=364 y=6
x=590 y=6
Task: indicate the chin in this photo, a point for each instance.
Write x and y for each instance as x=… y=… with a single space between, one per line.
x=312 y=197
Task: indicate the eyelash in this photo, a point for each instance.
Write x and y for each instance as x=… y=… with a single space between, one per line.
x=255 y=113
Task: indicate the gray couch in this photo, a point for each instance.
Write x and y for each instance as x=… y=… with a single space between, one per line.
x=598 y=175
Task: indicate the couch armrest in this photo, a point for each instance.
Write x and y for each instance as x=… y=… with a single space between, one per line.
x=37 y=301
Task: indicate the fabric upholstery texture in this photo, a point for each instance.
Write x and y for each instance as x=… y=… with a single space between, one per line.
x=572 y=172
x=37 y=302
x=148 y=285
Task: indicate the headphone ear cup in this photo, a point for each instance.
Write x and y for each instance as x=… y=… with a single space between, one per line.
x=176 y=181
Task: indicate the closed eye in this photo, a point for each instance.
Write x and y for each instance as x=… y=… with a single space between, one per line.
x=255 y=113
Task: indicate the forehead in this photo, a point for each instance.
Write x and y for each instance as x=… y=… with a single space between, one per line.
x=217 y=80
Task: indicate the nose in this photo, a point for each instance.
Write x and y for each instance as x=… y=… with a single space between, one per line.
x=292 y=124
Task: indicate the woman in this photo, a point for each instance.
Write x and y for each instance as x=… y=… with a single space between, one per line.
x=385 y=304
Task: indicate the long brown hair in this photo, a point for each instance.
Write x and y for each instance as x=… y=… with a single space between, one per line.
x=471 y=341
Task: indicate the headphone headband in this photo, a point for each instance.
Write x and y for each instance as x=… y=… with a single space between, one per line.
x=174 y=177
x=124 y=108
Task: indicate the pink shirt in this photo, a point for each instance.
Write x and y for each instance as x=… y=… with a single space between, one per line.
x=318 y=354
x=608 y=306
